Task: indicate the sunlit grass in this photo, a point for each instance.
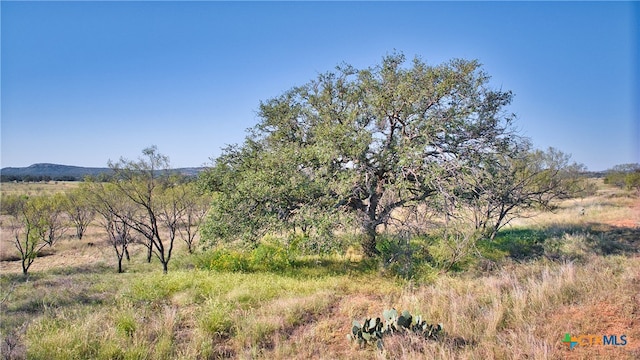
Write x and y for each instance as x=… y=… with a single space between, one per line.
x=548 y=278
x=37 y=188
x=107 y=315
x=198 y=313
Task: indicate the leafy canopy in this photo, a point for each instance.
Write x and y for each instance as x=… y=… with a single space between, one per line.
x=355 y=145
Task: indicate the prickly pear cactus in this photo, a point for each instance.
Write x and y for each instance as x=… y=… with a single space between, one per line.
x=390 y=321
x=368 y=333
x=373 y=330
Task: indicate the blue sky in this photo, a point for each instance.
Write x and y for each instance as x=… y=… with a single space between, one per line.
x=85 y=82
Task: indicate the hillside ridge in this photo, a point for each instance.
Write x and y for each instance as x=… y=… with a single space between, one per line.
x=49 y=171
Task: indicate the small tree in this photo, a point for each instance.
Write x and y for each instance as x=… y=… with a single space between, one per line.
x=120 y=237
x=114 y=209
x=79 y=210
x=502 y=187
x=28 y=225
x=146 y=183
x=171 y=205
x=197 y=204
x=51 y=209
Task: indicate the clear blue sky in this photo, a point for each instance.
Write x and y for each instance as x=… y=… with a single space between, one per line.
x=85 y=82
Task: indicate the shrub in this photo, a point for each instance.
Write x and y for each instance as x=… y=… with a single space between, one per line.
x=452 y=252
x=267 y=256
x=406 y=258
x=270 y=257
x=222 y=259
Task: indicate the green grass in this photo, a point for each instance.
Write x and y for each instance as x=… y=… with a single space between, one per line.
x=561 y=242
x=192 y=313
x=107 y=315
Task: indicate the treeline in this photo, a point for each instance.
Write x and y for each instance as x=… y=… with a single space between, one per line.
x=625 y=176
x=38 y=178
x=144 y=202
x=191 y=173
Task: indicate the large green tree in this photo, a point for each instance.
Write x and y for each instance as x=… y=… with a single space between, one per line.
x=360 y=142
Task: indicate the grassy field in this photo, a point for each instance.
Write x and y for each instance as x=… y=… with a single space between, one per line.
x=36 y=188
x=574 y=271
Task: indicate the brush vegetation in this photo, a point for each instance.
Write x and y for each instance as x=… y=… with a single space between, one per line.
x=539 y=279
x=403 y=185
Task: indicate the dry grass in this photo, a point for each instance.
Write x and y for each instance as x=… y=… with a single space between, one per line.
x=520 y=312
x=75 y=306
x=608 y=206
x=37 y=188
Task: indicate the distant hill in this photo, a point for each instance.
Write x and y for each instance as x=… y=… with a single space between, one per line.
x=40 y=172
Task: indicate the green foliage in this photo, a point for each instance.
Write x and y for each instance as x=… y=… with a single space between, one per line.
x=79 y=209
x=518 y=243
x=256 y=192
x=266 y=256
x=33 y=224
x=624 y=176
x=271 y=257
x=353 y=146
x=323 y=245
x=406 y=258
x=222 y=259
x=422 y=258
x=632 y=181
x=372 y=331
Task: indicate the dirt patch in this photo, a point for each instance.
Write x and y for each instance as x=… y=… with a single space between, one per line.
x=619 y=316
x=329 y=328
x=633 y=221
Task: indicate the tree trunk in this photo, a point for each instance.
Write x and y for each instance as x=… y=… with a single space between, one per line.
x=149 y=252
x=369 y=242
